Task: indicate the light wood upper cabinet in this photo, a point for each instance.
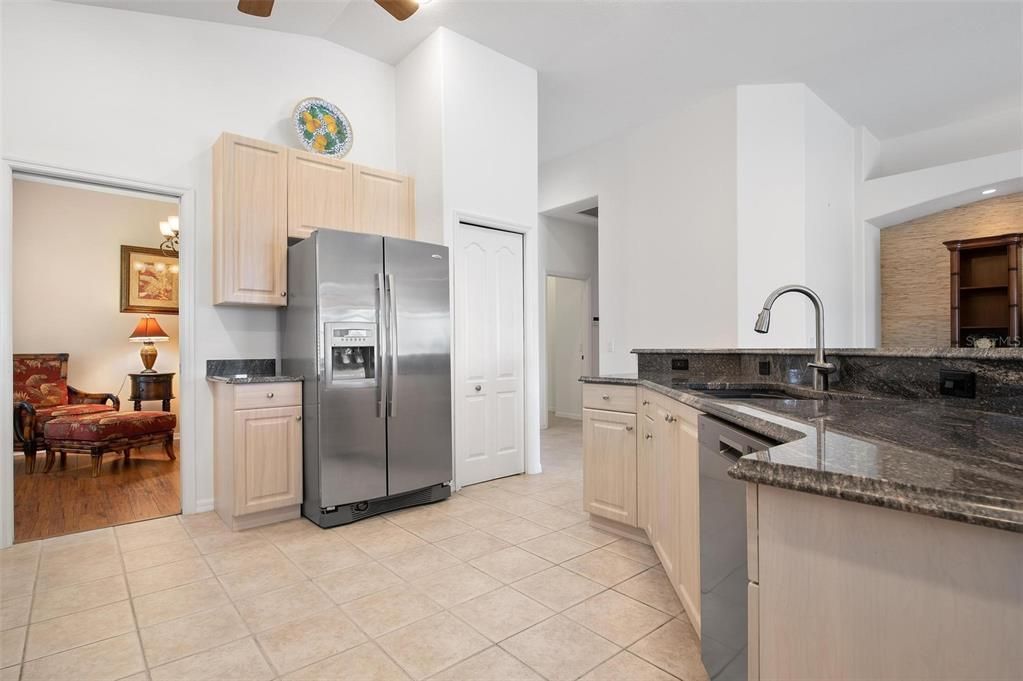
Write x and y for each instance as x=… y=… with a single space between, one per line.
x=609 y=465
x=264 y=193
x=250 y=222
x=385 y=203
x=321 y=193
x=267 y=459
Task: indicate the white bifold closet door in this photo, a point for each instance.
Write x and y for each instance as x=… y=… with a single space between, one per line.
x=489 y=396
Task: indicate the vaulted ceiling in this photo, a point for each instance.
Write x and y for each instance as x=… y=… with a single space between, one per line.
x=604 y=66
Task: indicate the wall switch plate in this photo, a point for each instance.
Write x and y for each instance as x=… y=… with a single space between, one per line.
x=764 y=367
x=679 y=364
x=956 y=383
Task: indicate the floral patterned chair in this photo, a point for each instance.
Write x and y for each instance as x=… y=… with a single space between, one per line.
x=41 y=393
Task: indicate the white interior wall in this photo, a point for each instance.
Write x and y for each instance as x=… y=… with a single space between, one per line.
x=994 y=133
x=833 y=257
x=420 y=133
x=67 y=269
x=796 y=193
x=149 y=105
x=667 y=229
x=772 y=204
x=485 y=152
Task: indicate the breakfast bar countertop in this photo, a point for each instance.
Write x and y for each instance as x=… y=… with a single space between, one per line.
x=917 y=455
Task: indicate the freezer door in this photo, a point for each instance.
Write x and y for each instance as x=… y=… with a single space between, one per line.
x=419 y=380
x=352 y=425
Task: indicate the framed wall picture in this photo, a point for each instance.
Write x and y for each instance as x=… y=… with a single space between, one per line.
x=149 y=280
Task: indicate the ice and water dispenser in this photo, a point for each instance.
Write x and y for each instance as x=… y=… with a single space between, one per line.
x=352 y=358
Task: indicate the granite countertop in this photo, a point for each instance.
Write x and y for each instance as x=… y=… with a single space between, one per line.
x=922 y=456
x=242 y=379
x=938 y=353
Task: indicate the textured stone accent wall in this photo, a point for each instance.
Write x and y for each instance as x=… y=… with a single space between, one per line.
x=915 y=268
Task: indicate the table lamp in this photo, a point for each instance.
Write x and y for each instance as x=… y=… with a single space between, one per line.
x=148 y=332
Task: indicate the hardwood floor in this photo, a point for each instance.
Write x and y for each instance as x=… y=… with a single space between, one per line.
x=69 y=499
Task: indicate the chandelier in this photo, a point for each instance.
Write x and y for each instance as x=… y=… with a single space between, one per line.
x=169 y=229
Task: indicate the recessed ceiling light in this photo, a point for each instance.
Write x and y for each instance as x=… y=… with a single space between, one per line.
x=989 y=191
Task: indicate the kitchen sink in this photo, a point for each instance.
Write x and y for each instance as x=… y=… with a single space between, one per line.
x=759 y=394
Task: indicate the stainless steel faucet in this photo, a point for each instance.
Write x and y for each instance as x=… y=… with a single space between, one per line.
x=821 y=367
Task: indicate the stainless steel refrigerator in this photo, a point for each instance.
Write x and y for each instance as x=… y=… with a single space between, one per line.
x=368 y=326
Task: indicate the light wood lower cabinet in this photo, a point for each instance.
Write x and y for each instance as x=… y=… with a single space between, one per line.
x=321 y=193
x=258 y=453
x=668 y=491
x=609 y=465
x=853 y=591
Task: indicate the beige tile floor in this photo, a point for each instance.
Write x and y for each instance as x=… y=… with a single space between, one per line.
x=505 y=581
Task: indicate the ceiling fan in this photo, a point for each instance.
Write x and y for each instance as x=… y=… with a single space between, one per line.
x=399 y=9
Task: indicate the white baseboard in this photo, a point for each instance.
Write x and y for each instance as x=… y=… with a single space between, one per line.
x=563 y=415
x=203 y=505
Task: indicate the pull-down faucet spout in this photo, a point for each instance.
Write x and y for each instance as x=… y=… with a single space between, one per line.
x=821 y=367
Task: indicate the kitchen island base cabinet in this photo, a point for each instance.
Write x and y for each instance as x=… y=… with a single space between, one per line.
x=258 y=455
x=852 y=591
x=609 y=465
x=669 y=493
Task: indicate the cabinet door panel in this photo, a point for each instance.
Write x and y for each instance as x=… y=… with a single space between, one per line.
x=384 y=203
x=666 y=494
x=267 y=459
x=250 y=221
x=609 y=465
x=321 y=193
x=688 y=485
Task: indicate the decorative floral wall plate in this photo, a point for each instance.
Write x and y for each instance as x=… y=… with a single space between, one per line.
x=322 y=127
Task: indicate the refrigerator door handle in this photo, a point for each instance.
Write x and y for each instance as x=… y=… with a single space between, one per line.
x=392 y=346
x=382 y=347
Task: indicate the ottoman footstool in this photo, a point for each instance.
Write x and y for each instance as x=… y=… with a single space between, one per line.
x=97 y=434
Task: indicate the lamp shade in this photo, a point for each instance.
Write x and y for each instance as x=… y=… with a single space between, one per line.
x=148 y=330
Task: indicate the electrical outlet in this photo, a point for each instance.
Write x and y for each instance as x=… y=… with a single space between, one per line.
x=956 y=383
x=680 y=364
x=764 y=367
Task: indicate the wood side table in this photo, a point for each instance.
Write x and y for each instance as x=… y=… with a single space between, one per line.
x=151 y=387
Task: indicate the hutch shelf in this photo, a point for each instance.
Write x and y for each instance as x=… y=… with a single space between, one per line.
x=985 y=290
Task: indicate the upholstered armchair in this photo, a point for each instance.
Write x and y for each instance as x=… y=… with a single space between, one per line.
x=41 y=393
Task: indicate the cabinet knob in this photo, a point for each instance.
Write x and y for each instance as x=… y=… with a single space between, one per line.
x=646 y=402
x=628 y=428
x=650 y=436
x=298 y=418
x=284 y=294
x=605 y=397
x=269 y=395
x=479 y=388
x=669 y=418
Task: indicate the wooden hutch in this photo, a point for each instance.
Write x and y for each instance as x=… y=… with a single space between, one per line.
x=985 y=291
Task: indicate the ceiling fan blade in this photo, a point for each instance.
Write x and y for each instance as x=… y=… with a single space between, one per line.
x=399 y=9
x=257 y=8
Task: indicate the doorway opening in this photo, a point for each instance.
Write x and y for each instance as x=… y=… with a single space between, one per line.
x=570 y=335
x=569 y=354
x=96 y=420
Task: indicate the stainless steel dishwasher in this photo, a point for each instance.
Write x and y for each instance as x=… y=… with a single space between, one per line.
x=723 y=578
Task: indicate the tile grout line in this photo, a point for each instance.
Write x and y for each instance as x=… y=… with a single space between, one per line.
x=31 y=605
x=131 y=604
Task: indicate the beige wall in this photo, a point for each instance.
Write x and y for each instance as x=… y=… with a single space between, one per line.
x=67 y=264
x=915 y=267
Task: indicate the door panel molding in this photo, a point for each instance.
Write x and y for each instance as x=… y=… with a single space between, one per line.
x=489 y=291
